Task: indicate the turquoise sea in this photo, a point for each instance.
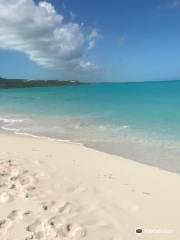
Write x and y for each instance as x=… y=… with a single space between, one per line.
x=140 y=121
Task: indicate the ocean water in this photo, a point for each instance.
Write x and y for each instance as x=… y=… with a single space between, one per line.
x=140 y=121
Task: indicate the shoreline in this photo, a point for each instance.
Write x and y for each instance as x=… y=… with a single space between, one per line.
x=111 y=126
x=75 y=192
x=11 y=133
x=14 y=131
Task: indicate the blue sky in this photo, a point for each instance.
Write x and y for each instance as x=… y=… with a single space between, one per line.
x=117 y=40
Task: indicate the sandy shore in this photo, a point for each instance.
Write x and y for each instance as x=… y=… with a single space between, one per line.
x=54 y=190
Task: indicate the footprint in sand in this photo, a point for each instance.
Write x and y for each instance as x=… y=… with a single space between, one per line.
x=29 y=237
x=61 y=207
x=64 y=230
x=55 y=227
x=39 y=235
x=25 y=180
x=6 y=197
x=15 y=215
x=10 y=221
x=41 y=230
x=5 y=224
x=32 y=227
x=31 y=188
x=76 y=232
x=2 y=223
x=47 y=205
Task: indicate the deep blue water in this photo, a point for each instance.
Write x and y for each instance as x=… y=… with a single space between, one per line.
x=140 y=121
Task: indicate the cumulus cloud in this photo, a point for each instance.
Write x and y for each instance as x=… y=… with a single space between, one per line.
x=92 y=38
x=43 y=35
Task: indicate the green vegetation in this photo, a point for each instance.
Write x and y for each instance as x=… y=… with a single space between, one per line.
x=22 y=83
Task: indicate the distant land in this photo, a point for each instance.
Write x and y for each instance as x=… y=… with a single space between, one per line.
x=24 y=83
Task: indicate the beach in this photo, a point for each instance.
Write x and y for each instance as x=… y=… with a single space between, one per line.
x=89 y=120
x=59 y=190
x=108 y=117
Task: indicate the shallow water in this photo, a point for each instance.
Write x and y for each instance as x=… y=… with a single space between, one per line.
x=140 y=121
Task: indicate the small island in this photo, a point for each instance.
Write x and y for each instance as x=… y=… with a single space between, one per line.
x=24 y=83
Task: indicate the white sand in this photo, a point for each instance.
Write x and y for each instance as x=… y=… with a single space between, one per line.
x=54 y=190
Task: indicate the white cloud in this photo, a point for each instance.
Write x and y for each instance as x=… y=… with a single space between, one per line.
x=87 y=66
x=92 y=38
x=41 y=33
